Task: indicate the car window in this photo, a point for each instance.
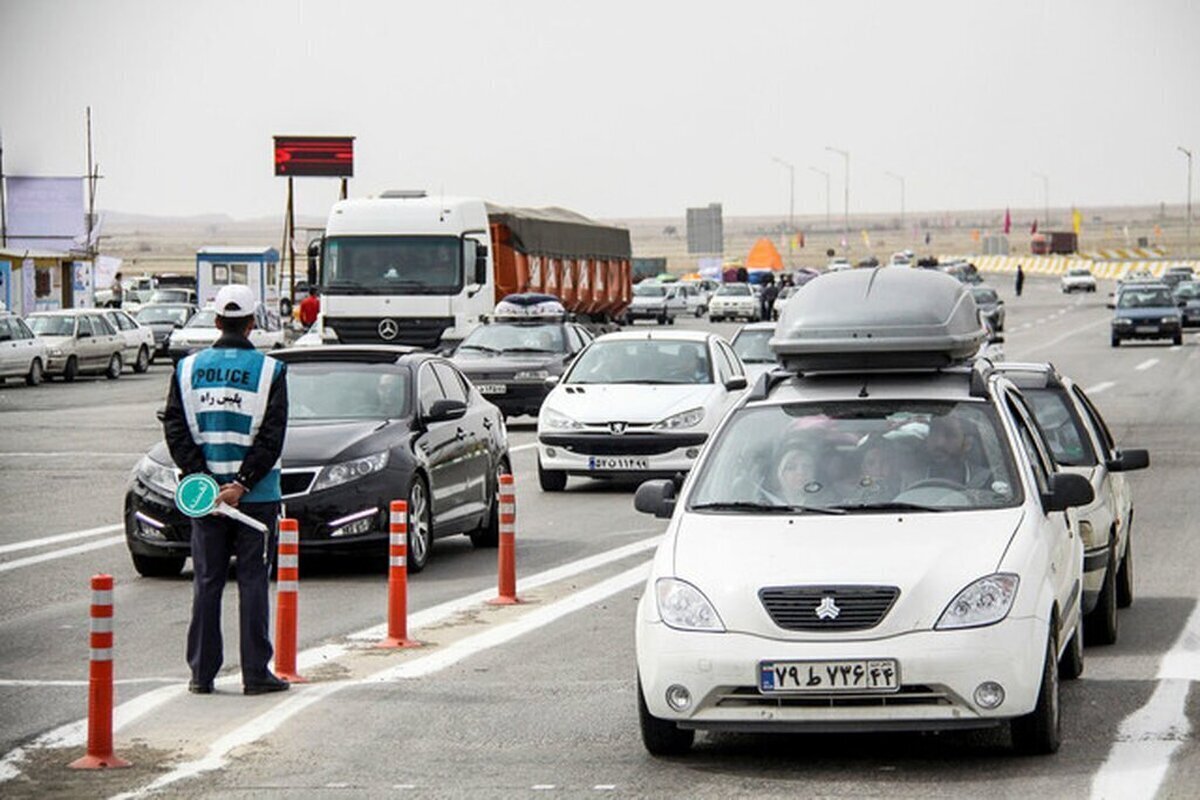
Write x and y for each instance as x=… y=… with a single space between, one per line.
x=642 y=361
x=102 y=326
x=20 y=329
x=855 y=454
x=84 y=325
x=338 y=391
x=1025 y=433
x=724 y=365
x=1097 y=421
x=1134 y=297
x=1061 y=427
x=6 y=332
x=752 y=346
x=452 y=383
x=574 y=339
x=429 y=390
x=53 y=325
x=734 y=362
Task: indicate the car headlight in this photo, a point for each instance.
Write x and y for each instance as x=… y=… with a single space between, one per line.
x=346 y=471
x=558 y=422
x=532 y=375
x=159 y=477
x=1122 y=321
x=56 y=351
x=684 y=607
x=984 y=602
x=685 y=419
x=1170 y=320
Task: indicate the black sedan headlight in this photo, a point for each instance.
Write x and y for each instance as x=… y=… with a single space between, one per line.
x=162 y=478
x=347 y=471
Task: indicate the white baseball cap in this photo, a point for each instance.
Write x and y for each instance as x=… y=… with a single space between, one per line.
x=235 y=300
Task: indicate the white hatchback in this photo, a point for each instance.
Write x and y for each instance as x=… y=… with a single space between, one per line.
x=636 y=404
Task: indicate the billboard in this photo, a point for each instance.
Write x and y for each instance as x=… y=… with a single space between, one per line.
x=45 y=214
x=705 y=230
x=314 y=156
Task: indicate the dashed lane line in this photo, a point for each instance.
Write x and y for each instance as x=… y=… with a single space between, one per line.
x=29 y=544
x=1102 y=386
x=1147 y=364
x=65 y=552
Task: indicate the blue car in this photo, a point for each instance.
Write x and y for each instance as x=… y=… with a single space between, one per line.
x=1146 y=311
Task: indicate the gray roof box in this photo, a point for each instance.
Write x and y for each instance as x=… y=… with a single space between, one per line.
x=888 y=318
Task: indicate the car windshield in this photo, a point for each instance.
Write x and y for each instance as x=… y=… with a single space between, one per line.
x=392 y=265
x=752 y=346
x=1145 y=298
x=649 y=290
x=643 y=361
x=499 y=337
x=860 y=456
x=53 y=325
x=203 y=319
x=734 y=290
x=1063 y=429
x=1080 y=273
x=985 y=296
x=170 y=296
x=342 y=391
x=176 y=316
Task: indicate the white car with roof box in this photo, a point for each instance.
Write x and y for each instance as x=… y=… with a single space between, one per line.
x=878 y=541
x=636 y=404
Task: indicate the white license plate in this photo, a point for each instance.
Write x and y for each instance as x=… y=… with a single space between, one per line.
x=492 y=388
x=1146 y=329
x=853 y=675
x=618 y=462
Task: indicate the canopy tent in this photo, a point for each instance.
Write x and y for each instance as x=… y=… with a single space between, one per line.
x=763 y=255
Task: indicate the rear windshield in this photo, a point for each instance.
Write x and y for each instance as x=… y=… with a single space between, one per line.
x=860 y=456
x=734 y=290
x=649 y=290
x=1062 y=427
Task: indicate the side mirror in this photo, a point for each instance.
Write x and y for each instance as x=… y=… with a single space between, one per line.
x=1129 y=460
x=443 y=410
x=1067 y=490
x=736 y=383
x=656 y=497
x=481 y=253
x=552 y=380
x=314 y=257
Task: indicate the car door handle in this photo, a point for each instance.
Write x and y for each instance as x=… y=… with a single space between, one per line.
x=460 y=434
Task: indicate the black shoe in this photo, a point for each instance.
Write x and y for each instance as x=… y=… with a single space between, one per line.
x=266 y=686
x=195 y=687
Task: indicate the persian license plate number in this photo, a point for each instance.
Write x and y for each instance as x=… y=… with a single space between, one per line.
x=618 y=462
x=823 y=677
x=492 y=388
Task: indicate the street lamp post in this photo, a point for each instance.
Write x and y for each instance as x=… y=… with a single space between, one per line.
x=1188 y=245
x=791 y=194
x=826 y=174
x=899 y=178
x=1045 y=198
x=846 y=194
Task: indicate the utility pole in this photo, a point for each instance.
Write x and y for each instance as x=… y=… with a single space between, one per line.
x=1045 y=198
x=92 y=248
x=846 y=194
x=828 y=225
x=899 y=178
x=791 y=194
x=1188 y=245
x=3 y=210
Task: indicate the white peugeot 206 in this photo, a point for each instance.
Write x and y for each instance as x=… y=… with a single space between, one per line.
x=636 y=404
x=875 y=539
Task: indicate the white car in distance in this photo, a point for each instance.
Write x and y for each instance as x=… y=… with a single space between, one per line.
x=734 y=301
x=201 y=331
x=1078 y=279
x=636 y=404
x=137 y=339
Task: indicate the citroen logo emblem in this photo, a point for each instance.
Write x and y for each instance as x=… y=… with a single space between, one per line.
x=388 y=329
x=617 y=428
x=827 y=609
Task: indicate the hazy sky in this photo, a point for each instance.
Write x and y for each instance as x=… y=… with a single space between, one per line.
x=614 y=109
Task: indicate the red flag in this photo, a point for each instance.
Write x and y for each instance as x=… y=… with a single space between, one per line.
x=1007 y=222
x=1033 y=227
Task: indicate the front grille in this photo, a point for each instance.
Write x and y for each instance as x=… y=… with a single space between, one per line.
x=423 y=332
x=294 y=482
x=794 y=608
x=910 y=695
x=629 y=444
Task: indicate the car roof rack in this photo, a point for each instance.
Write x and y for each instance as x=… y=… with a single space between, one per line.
x=530 y=307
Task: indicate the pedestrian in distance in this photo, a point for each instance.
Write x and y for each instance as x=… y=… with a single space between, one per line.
x=226 y=417
x=1020 y=280
x=118 y=291
x=767 y=300
x=310 y=307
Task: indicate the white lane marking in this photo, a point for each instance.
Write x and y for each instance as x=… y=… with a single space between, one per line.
x=73 y=734
x=56 y=554
x=543 y=787
x=605 y=787
x=1147 y=739
x=1043 y=345
x=58 y=537
x=56 y=684
x=269 y=721
x=1147 y=364
x=1102 y=386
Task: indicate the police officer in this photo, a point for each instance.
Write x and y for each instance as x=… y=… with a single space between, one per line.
x=226 y=417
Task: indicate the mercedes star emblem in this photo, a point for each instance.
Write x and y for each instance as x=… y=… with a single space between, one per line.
x=388 y=329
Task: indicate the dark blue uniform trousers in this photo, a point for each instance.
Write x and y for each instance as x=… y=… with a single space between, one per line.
x=214 y=540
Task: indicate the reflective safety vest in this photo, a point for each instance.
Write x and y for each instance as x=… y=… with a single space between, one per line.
x=224 y=392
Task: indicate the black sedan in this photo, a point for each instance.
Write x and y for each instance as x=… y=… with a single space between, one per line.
x=366 y=425
x=163 y=319
x=509 y=360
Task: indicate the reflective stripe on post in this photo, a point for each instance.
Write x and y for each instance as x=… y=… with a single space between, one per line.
x=100 y=680
x=506 y=559
x=397 y=614
x=287 y=601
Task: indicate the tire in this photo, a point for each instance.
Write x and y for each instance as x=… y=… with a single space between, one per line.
x=1039 y=732
x=71 y=370
x=1116 y=342
x=661 y=737
x=670 y=319
x=551 y=480
x=1178 y=340
x=662 y=319
x=114 y=367
x=700 y=311
x=143 y=360
x=35 y=374
x=420 y=526
x=1070 y=666
x=1125 y=575
x=712 y=318
x=1102 y=624
x=157 y=566
x=489 y=534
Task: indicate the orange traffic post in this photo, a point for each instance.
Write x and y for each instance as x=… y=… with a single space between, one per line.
x=287 y=601
x=100 y=681
x=507 y=557
x=397 y=635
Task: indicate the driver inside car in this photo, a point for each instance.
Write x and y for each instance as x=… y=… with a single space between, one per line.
x=954 y=455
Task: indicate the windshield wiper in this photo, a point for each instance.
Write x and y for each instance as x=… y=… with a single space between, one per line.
x=763 y=508
x=894 y=505
x=482 y=347
x=527 y=350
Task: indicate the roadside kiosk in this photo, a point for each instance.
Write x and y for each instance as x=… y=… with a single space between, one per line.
x=257 y=268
